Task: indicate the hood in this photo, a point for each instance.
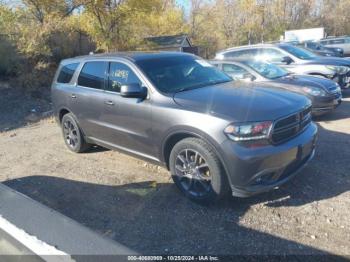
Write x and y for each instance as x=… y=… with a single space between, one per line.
x=304 y=80
x=242 y=102
x=337 y=61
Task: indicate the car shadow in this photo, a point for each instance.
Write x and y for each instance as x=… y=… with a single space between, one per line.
x=153 y=218
x=346 y=93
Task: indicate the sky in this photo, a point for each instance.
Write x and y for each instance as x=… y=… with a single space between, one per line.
x=185 y=4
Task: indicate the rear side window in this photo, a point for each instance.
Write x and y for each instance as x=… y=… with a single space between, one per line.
x=233 y=69
x=337 y=41
x=271 y=55
x=66 y=73
x=93 y=75
x=248 y=53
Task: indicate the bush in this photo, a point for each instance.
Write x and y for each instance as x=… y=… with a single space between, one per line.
x=34 y=78
x=8 y=57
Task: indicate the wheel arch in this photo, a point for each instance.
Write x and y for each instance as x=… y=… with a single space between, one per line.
x=176 y=136
x=62 y=112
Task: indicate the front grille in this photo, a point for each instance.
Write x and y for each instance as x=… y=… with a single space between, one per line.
x=288 y=127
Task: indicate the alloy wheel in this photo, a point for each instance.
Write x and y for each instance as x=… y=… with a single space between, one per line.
x=193 y=172
x=70 y=134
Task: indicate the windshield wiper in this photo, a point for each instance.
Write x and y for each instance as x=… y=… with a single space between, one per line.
x=202 y=85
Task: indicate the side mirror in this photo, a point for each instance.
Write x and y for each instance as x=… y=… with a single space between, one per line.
x=133 y=91
x=287 y=60
x=248 y=76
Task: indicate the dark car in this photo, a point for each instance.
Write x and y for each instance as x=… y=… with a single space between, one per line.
x=322 y=50
x=295 y=60
x=175 y=109
x=325 y=94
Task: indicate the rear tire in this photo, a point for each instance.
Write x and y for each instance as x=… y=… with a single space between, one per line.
x=197 y=171
x=72 y=134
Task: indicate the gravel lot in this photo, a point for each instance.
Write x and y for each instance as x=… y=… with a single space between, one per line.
x=136 y=203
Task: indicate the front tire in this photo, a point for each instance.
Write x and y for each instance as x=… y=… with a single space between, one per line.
x=73 y=137
x=197 y=171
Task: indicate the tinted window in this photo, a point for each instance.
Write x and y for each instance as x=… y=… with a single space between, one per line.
x=120 y=74
x=271 y=55
x=298 y=52
x=234 y=71
x=337 y=41
x=179 y=73
x=66 y=73
x=93 y=75
x=248 y=53
x=267 y=70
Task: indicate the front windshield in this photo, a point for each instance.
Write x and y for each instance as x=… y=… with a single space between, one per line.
x=179 y=73
x=298 y=52
x=267 y=70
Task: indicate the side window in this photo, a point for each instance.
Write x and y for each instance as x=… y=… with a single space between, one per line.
x=248 y=53
x=271 y=55
x=93 y=75
x=234 y=71
x=66 y=73
x=120 y=74
x=337 y=41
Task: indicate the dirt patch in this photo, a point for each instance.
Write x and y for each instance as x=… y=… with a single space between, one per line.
x=136 y=203
x=19 y=108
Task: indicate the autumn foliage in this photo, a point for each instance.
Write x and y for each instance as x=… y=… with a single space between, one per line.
x=36 y=34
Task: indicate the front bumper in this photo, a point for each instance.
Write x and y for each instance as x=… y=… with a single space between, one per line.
x=343 y=80
x=260 y=169
x=323 y=105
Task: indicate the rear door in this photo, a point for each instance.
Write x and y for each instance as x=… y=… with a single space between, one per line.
x=127 y=120
x=89 y=96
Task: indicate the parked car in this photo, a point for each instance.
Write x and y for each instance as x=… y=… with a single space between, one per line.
x=340 y=42
x=322 y=50
x=175 y=109
x=324 y=93
x=295 y=60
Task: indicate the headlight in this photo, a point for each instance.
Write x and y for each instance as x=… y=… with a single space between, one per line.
x=248 y=131
x=337 y=89
x=339 y=69
x=314 y=91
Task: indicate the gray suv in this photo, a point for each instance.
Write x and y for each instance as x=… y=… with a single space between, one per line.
x=294 y=59
x=215 y=135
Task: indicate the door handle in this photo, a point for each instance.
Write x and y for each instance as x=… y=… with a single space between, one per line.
x=110 y=103
x=73 y=96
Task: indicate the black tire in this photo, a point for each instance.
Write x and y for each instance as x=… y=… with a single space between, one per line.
x=72 y=134
x=207 y=191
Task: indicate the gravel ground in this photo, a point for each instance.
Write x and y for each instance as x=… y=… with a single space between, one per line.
x=137 y=204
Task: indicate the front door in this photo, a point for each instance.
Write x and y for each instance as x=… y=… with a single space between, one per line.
x=128 y=120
